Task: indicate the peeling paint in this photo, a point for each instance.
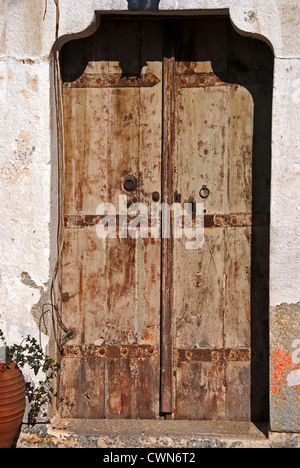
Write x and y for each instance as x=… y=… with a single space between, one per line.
x=10 y=75
x=19 y=163
x=293 y=379
x=285 y=367
x=25 y=94
x=250 y=16
x=34 y=83
x=37 y=310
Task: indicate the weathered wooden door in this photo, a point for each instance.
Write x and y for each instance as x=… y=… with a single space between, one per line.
x=158 y=329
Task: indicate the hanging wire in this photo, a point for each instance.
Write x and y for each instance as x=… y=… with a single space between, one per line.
x=54 y=308
x=46 y=6
x=54 y=312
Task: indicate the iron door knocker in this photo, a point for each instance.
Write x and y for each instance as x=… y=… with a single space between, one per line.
x=204 y=192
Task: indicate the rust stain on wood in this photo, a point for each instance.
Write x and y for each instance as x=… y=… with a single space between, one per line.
x=210 y=220
x=206 y=80
x=212 y=355
x=110 y=352
x=166 y=397
x=147 y=80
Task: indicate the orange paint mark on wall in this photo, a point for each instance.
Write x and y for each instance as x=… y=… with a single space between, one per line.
x=283 y=365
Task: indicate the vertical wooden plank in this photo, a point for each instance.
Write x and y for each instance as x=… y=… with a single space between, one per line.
x=240 y=147
x=83 y=386
x=237 y=321
x=238 y=398
x=202 y=145
x=132 y=385
x=149 y=252
x=237 y=326
x=199 y=293
x=147 y=384
x=123 y=137
x=121 y=274
x=85 y=149
x=84 y=295
x=118 y=390
x=200 y=391
x=238 y=243
x=167 y=243
x=150 y=109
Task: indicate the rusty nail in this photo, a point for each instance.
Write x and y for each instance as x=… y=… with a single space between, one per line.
x=82 y=80
x=151 y=351
x=125 y=351
x=113 y=80
x=99 y=80
x=183 y=81
x=155 y=196
x=218 y=221
x=234 y=220
x=102 y=351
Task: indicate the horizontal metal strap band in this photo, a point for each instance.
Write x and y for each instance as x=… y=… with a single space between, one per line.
x=90 y=80
x=148 y=351
x=206 y=80
x=210 y=220
x=109 y=352
x=208 y=355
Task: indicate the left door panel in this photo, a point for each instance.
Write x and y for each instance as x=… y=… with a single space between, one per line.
x=111 y=287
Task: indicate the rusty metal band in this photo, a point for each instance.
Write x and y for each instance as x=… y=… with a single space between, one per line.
x=207 y=80
x=208 y=355
x=147 y=351
x=90 y=80
x=210 y=220
x=109 y=352
x=194 y=80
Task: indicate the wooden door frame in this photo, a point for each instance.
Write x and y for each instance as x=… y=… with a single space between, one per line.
x=170 y=14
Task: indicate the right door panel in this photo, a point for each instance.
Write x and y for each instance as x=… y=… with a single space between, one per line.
x=212 y=285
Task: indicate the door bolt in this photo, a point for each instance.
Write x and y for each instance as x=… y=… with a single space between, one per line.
x=155 y=196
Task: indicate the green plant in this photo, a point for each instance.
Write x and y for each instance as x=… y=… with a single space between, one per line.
x=30 y=353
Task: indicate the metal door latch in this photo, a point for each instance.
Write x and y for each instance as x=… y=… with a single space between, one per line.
x=204 y=192
x=130 y=183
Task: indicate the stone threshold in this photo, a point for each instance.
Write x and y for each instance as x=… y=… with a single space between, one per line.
x=126 y=434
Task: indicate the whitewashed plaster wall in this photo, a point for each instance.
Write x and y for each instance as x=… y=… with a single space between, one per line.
x=28 y=143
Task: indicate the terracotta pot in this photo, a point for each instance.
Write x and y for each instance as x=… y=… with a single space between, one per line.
x=12 y=404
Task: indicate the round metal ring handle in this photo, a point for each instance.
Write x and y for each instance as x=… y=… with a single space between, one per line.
x=204 y=192
x=130 y=183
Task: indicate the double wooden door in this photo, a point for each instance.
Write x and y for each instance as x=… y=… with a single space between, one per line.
x=159 y=330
